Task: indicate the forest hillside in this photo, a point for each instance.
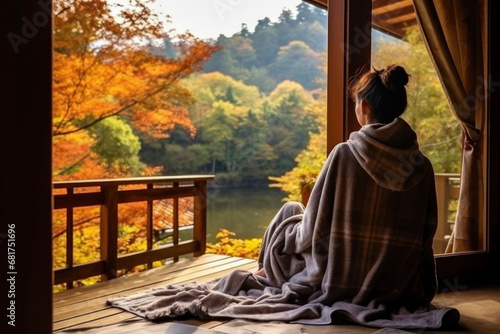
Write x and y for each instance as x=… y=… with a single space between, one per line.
x=252 y=103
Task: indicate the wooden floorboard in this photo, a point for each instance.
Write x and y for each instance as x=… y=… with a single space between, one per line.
x=176 y=273
x=97 y=313
x=185 y=264
x=80 y=301
x=95 y=300
x=84 y=311
x=86 y=307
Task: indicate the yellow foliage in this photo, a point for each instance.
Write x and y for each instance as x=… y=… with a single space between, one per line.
x=228 y=245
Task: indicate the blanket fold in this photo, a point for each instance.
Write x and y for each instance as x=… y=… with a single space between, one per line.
x=361 y=249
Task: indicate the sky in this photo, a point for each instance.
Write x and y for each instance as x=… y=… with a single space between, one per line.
x=210 y=18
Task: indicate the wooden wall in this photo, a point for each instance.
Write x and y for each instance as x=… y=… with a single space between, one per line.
x=494 y=142
x=25 y=174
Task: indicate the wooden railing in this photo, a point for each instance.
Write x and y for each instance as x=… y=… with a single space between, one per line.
x=447 y=191
x=112 y=192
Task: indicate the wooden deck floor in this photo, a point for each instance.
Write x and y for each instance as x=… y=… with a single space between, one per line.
x=83 y=310
x=85 y=307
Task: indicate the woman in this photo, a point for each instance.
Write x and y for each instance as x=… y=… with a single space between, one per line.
x=361 y=250
x=372 y=215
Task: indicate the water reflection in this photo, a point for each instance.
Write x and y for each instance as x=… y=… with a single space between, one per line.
x=244 y=211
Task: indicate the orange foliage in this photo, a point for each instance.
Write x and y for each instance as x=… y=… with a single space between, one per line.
x=103 y=67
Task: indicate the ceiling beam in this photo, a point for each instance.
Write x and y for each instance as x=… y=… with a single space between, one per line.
x=392 y=17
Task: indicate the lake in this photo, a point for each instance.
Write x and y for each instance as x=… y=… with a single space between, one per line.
x=244 y=211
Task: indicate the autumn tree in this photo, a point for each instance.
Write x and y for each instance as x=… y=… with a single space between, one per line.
x=104 y=67
x=111 y=87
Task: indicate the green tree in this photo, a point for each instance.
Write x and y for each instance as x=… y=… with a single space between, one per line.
x=242 y=50
x=179 y=160
x=265 y=43
x=259 y=77
x=218 y=130
x=264 y=24
x=252 y=153
x=208 y=88
x=244 y=30
x=290 y=122
x=314 y=34
x=223 y=60
x=321 y=16
x=288 y=87
x=253 y=57
x=304 y=13
x=309 y=162
x=285 y=28
x=298 y=62
x=116 y=145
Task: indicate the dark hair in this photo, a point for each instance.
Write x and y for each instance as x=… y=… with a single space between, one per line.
x=384 y=90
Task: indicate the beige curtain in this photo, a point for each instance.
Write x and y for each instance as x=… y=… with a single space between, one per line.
x=455 y=34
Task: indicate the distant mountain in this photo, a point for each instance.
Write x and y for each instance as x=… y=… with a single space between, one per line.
x=294 y=48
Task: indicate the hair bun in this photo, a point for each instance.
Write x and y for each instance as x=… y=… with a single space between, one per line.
x=394 y=77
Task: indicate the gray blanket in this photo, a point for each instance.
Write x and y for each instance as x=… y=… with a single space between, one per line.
x=361 y=250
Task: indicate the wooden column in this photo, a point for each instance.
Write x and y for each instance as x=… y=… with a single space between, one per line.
x=493 y=108
x=349 y=51
x=25 y=172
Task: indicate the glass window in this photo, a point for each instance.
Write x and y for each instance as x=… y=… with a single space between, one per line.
x=396 y=38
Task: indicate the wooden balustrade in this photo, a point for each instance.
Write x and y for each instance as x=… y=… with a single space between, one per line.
x=447 y=190
x=111 y=193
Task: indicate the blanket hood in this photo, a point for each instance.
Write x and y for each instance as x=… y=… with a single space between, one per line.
x=389 y=153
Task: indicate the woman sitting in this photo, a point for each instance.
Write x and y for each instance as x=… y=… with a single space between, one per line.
x=360 y=250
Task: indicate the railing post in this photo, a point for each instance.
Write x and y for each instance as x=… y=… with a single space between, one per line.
x=109 y=231
x=442 y=201
x=69 y=238
x=149 y=225
x=175 y=220
x=442 y=204
x=200 y=216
